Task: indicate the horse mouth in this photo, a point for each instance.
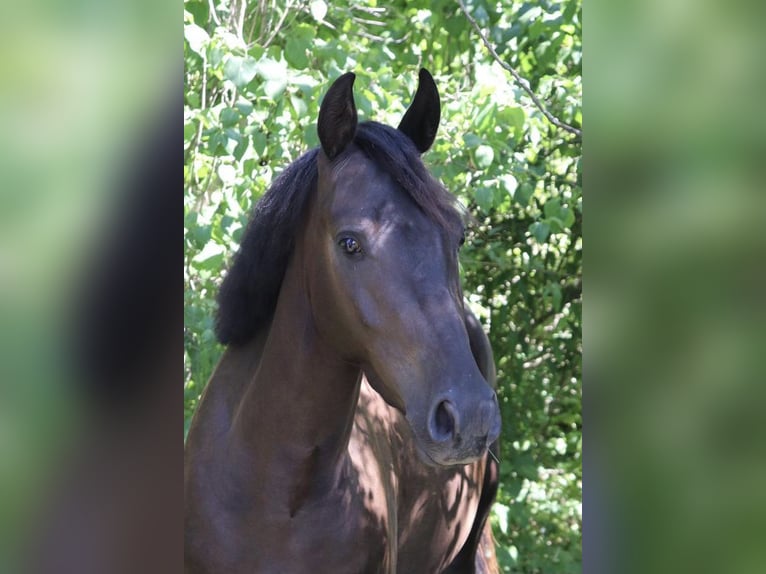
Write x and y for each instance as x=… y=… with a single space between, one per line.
x=435 y=460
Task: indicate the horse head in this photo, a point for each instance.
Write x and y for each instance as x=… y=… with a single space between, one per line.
x=383 y=276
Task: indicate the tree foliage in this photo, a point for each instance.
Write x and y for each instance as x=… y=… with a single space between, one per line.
x=255 y=73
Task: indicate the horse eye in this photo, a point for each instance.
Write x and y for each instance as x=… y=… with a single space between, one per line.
x=350 y=245
x=462 y=240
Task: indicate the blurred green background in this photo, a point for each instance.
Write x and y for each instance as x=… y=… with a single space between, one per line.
x=80 y=82
x=676 y=271
x=255 y=73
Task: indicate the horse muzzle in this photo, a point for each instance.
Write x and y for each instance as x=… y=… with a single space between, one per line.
x=460 y=436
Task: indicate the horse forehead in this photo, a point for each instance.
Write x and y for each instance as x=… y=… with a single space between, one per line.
x=366 y=191
x=360 y=178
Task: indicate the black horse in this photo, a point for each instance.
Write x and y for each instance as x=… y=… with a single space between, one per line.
x=346 y=427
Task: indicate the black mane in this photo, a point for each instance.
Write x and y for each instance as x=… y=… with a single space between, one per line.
x=249 y=292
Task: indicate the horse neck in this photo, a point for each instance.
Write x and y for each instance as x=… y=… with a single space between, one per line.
x=296 y=413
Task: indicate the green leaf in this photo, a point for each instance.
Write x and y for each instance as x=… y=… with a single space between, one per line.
x=193 y=99
x=190 y=129
x=241 y=148
x=295 y=52
x=513 y=117
x=484 y=156
x=201 y=235
x=567 y=217
x=256 y=51
x=249 y=167
x=552 y=207
x=304 y=31
x=507 y=557
x=229 y=117
x=486 y=117
x=555 y=225
x=523 y=194
x=484 y=198
x=215 y=141
x=240 y=70
x=259 y=142
x=215 y=56
x=310 y=136
x=198 y=10
x=558 y=217
x=512 y=486
x=232 y=140
x=472 y=140
x=552 y=291
x=244 y=106
x=540 y=231
x=480 y=15
x=525 y=466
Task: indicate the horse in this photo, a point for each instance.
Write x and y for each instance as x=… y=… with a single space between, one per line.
x=346 y=427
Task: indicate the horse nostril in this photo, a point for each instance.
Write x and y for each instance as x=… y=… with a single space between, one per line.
x=443 y=422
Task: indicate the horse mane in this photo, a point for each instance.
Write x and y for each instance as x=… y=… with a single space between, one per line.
x=248 y=294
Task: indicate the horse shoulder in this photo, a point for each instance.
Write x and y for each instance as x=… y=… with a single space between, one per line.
x=211 y=530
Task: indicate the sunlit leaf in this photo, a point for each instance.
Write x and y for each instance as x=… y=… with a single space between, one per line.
x=210 y=256
x=484 y=156
x=501 y=512
x=197 y=38
x=227 y=173
x=240 y=70
x=300 y=106
x=271 y=69
x=509 y=183
x=275 y=87
x=318 y=9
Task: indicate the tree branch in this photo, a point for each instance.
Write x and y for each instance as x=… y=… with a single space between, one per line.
x=516 y=76
x=213 y=13
x=278 y=27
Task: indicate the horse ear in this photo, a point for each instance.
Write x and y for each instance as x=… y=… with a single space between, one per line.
x=337 y=116
x=421 y=120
